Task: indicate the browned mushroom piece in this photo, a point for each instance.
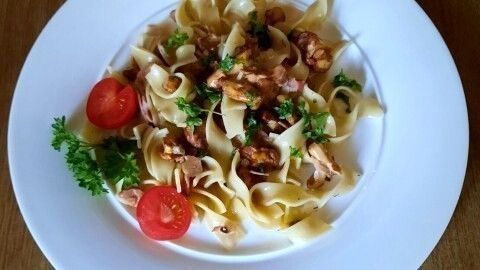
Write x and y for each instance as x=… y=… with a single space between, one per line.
x=216 y=79
x=171 y=149
x=279 y=75
x=242 y=91
x=246 y=53
x=272 y=122
x=130 y=196
x=130 y=73
x=191 y=166
x=207 y=44
x=261 y=157
x=172 y=83
x=325 y=166
x=274 y=15
x=315 y=53
x=196 y=137
x=244 y=173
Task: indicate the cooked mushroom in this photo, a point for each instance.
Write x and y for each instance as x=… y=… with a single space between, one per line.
x=261 y=157
x=191 y=166
x=325 y=166
x=274 y=16
x=315 y=53
x=130 y=197
x=172 y=83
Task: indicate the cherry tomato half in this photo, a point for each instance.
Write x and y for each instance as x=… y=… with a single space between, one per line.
x=111 y=104
x=163 y=213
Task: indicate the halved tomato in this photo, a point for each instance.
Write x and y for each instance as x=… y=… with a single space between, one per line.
x=111 y=104
x=164 y=214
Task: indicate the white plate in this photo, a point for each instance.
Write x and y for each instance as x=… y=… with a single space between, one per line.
x=413 y=160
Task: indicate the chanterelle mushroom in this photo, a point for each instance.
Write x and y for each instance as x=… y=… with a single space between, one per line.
x=316 y=54
x=130 y=197
x=325 y=166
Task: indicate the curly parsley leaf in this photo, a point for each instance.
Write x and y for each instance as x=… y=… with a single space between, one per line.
x=116 y=160
x=176 y=39
x=227 y=63
x=193 y=112
x=314 y=126
x=342 y=80
x=285 y=110
x=295 y=152
x=259 y=30
x=208 y=93
x=78 y=157
x=253 y=126
x=119 y=162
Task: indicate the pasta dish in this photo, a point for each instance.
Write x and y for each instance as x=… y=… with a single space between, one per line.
x=226 y=112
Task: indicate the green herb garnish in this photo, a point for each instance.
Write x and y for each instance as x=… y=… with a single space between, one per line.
x=118 y=162
x=295 y=152
x=253 y=126
x=227 y=63
x=192 y=111
x=259 y=30
x=342 y=80
x=314 y=126
x=302 y=109
x=208 y=93
x=176 y=39
x=285 y=110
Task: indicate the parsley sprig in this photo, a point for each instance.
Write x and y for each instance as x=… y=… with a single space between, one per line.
x=207 y=92
x=314 y=124
x=192 y=110
x=227 y=63
x=118 y=162
x=342 y=80
x=295 y=152
x=176 y=39
x=259 y=30
x=285 y=110
x=253 y=126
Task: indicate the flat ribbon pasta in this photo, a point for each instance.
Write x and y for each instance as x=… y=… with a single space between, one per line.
x=235 y=39
x=191 y=12
x=148 y=139
x=238 y=10
x=143 y=58
x=280 y=49
x=300 y=70
x=362 y=107
x=233 y=113
x=219 y=145
x=315 y=13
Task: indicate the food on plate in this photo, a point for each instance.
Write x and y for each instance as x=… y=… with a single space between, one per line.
x=225 y=113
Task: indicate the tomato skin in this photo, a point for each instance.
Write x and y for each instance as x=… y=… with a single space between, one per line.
x=111 y=105
x=164 y=214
